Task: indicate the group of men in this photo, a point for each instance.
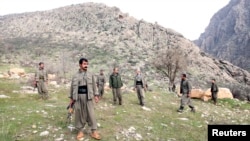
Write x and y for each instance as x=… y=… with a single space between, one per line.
x=85 y=88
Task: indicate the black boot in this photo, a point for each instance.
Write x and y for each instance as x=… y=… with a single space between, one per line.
x=192 y=109
x=180 y=109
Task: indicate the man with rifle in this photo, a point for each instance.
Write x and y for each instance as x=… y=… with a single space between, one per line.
x=41 y=81
x=82 y=92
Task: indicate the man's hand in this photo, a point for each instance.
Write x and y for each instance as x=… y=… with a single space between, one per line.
x=71 y=100
x=96 y=99
x=71 y=110
x=188 y=95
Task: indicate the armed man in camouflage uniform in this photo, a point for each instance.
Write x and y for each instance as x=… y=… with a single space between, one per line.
x=41 y=81
x=185 y=90
x=140 y=85
x=101 y=80
x=83 y=90
x=214 y=91
x=115 y=82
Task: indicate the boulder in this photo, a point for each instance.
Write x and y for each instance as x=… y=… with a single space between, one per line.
x=197 y=93
x=51 y=76
x=17 y=71
x=223 y=93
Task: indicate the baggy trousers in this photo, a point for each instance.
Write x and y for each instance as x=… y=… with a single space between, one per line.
x=84 y=113
x=140 y=94
x=186 y=101
x=42 y=88
x=117 y=94
x=214 y=96
x=101 y=90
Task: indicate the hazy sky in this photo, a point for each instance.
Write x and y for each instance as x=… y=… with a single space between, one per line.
x=188 y=17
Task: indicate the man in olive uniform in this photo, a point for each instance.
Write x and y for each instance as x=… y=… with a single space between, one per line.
x=214 y=91
x=115 y=82
x=83 y=90
x=140 y=85
x=185 y=90
x=101 y=80
x=41 y=81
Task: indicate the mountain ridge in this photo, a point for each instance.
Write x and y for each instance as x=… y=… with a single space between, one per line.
x=227 y=37
x=107 y=37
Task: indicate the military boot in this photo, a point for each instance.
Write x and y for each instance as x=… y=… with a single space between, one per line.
x=180 y=109
x=120 y=102
x=192 y=109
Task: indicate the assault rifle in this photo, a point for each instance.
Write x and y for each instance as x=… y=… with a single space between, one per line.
x=70 y=109
x=34 y=85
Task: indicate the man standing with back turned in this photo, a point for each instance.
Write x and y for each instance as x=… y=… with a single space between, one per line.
x=83 y=90
x=185 y=90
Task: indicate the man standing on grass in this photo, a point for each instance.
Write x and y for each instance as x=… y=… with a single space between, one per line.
x=140 y=86
x=185 y=90
x=83 y=90
x=41 y=81
x=101 y=80
x=214 y=91
x=115 y=82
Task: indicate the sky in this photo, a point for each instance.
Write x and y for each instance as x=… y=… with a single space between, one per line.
x=188 y=17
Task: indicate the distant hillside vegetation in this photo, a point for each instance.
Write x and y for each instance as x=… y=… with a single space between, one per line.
x=107 y=37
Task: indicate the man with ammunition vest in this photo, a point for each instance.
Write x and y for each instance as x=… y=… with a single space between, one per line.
x=83 y=91
x=140 y=86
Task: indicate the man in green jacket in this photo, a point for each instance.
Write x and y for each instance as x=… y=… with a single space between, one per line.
x=82 y=92
x=115 y=82
x=41 y=81
x=185 y=90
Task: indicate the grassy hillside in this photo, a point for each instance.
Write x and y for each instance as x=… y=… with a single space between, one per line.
x=24 y=116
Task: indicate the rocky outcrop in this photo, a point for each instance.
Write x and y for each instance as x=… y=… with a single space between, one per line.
x=206 y=95
x=108 y=38
x=227 y=36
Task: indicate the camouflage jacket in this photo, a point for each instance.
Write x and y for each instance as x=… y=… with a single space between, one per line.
x=79 y=79
x=41 y=75
x=185 y=87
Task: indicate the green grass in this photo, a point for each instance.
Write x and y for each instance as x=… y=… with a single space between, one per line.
x=25 y=116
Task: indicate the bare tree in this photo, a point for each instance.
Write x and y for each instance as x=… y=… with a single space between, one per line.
x=169 y=62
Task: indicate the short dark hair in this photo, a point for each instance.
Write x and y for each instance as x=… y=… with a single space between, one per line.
x=213 y=79
x=83 y=60
x=40 y=63
x=184 y=75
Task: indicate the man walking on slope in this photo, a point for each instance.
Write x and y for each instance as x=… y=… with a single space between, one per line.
x=185 y=90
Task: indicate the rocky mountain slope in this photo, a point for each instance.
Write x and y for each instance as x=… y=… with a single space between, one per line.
x=107 y=37
x=227 y=35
